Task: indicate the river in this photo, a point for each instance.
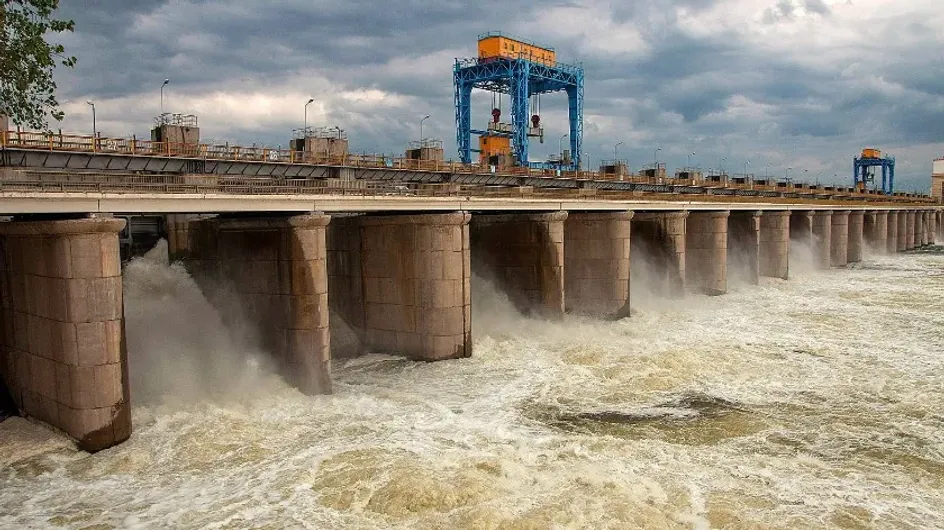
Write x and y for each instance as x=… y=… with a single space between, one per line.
x=810 y=403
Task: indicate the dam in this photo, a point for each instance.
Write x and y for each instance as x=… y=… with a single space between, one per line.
x=395 y=270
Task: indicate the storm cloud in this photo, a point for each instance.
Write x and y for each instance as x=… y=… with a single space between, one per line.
x=760 y=85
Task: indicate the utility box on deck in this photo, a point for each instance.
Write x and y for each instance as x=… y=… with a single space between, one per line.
x=425 y=150
x=323 y=143
x=177 y=133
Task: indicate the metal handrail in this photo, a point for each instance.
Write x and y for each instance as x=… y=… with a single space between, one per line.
x=49 y=141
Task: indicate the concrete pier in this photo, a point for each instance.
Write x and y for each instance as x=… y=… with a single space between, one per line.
x=706 y=252
x=801 y=232
x=268 y=277
x=902 y=243
x=921 y=235
x=524 y=253
x=856 y=235
x=402 y=284
x=658 y=241
x=891 y=243
x=775 y=244
x=839 y=248
x=178 y=236
x=910 y=227
x=596 y=263
x=744 y=244
x=875 y=228
x=822 y=238
x=63 y=353
x=936 y=226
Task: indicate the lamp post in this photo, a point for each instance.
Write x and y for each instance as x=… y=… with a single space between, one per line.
x=616 y=152
x=746 y=164
x=589 y=164
x=690 y=155
x=721 y=165
x=560 y=148
x=94 y=128
x=421 y=128
x=786 y=174
x=655 y=158
x=305 y=129
x=766 y=171
x=162 y=95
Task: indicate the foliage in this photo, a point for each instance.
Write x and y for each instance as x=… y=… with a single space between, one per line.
x=27 y=88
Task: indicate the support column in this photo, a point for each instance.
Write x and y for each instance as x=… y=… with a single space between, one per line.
x=658 y=240
x=910 y=230
x=178 y=236
x=706 y=252
x=937 y=226
x=775 y=244
x=596 y=263
x=822 y=236
x=63 y=352
x=839 y=248
x=876 y=230
x=801 y=232
x=891 y=243
x=921 y=236
x=417 y=285
x=744 y=244
x=275 y=268
x=525 y=255
x=855 y=241
x=902 y=244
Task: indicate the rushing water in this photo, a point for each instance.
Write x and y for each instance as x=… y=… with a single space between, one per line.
x=811 y=403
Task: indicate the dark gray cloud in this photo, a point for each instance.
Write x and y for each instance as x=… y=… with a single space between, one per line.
x=782 y=83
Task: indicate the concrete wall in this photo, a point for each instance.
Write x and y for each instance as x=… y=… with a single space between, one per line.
x=875 y=230
x=902 y=231
x=658 y=238
x=744 y=244
x=268 y=278
x=856 y=234
x=63 y=353
x=775 y=244
x=596 y=263
x=822 y=238
x=524 y=253
x=706 y=252
x=345 y=286
x=839 y=249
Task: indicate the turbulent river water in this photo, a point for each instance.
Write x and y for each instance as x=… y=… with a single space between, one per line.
x=816 y=402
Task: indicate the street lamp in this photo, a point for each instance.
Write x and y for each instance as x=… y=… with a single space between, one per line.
x=745 y=167
x=786 y=174
x=589 y=164
x=94 y=127
x=421 y=128
x=162 y=95
x=560 y=147
x=615 y=151
x=655 y=158
x=721 y=165
x=690 y=159
x=305 y=130
x=766 y=171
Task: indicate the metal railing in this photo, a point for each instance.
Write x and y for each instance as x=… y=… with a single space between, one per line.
x=59 y=142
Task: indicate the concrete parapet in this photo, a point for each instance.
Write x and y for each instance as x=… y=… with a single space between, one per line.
x=596 y=263
x=275 y=268
x=822 y=238
x=891 y=243
x=63 y=353
x=875 y=230
x=910 y=230
x=706 y=252
x=744 y=244
x=525 y=254
x=839 y=245
x=775 y=244
x=902 y=244
x=659 y=238
x=855 y=238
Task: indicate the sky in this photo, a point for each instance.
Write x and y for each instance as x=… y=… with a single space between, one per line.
x=756 y=85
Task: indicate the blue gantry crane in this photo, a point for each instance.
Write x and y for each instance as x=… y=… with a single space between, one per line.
x=522 y=70
x=863 y=172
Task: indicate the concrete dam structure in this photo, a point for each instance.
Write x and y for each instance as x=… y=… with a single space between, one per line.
x=398 y=280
